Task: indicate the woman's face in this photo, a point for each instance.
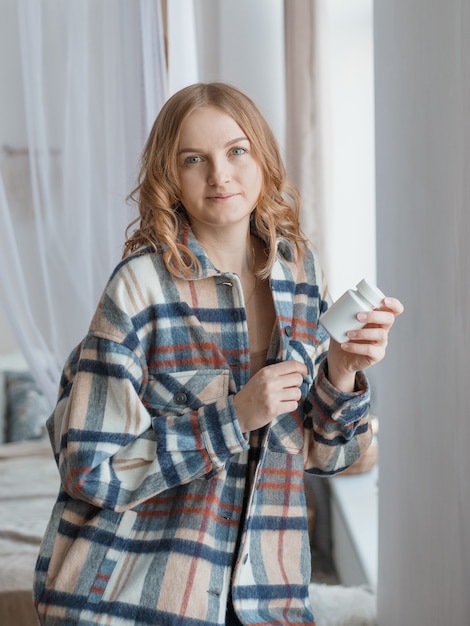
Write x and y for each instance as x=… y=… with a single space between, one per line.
x=220 y=181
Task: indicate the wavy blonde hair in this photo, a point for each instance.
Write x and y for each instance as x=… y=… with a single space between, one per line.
x=157 y=193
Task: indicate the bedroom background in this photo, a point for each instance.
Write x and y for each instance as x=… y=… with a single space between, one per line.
x=82 y=82
x=100 y=76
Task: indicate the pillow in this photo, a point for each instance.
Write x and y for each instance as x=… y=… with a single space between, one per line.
x=3 y=408
x=27 y=407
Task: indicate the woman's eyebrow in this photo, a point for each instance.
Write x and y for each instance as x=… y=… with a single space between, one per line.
x=229 y=143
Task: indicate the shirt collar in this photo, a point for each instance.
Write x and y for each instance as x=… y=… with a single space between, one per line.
x=284 y=249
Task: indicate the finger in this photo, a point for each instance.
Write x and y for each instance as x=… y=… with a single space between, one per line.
x=289 y=380
x=377 y=317
x=394 y=305
x=284 y=368
x=289 y=407
x=369 y=334
x=291 y=394
x=372 y=351
x=277 y=383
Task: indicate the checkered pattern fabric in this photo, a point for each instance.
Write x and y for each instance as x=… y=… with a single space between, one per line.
x=153 y=464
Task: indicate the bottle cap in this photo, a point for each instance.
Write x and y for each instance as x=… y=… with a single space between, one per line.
x=370 y=292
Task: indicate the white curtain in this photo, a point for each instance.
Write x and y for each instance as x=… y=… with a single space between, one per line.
x=182 y=44
x=422 y=62
x=303 y=125
x=93 y=75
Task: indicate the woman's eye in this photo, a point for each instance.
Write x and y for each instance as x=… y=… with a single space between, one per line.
x=237 y=151
x=193 y=159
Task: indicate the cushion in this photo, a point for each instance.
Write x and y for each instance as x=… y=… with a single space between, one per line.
x=27 y=407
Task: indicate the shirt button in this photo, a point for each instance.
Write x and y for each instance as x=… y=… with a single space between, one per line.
x=288 y=331
x=180 y=397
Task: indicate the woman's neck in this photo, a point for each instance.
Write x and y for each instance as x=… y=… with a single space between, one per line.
x=240 y=258
x=230 y=253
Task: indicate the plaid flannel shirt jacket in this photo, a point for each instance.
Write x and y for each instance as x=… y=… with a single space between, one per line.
x=153 y=464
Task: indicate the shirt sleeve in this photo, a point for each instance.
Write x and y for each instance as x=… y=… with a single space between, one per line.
x=337 y=424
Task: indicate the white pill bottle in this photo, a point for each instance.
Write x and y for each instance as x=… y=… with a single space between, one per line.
x=341 y=316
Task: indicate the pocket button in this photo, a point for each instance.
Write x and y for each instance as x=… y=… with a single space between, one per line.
x=180 y=397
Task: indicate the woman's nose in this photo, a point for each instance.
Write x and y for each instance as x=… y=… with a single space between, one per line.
x=219 y=173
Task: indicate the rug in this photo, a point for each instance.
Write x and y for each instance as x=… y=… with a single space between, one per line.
x=335 y=605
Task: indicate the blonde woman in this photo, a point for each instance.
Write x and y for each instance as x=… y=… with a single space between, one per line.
x=202 y=391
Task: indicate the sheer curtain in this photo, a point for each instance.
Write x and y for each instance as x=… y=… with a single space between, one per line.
x=93 y=76
x=303 y=124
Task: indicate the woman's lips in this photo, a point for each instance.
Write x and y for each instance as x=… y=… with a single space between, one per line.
x=221 y=197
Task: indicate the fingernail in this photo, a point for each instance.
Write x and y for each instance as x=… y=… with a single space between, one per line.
x=362 y=317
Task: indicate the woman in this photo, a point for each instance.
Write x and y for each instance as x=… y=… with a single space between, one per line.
x=202 y=390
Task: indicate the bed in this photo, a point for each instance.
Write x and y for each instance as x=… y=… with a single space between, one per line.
x=29 y=483
x=28 y=488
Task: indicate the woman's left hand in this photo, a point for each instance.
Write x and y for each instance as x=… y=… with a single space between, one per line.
x=366 y=347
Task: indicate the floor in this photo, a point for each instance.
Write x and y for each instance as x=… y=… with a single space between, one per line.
x=323 y=569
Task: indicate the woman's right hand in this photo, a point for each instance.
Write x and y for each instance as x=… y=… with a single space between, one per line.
x=273 y=390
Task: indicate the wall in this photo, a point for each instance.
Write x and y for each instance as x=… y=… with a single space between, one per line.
x=422 y=75
x=243 y=43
